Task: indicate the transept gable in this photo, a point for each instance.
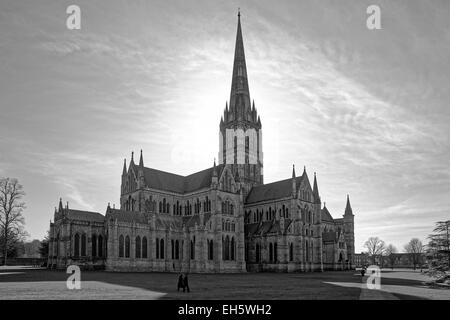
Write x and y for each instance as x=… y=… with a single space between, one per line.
x=227 y=181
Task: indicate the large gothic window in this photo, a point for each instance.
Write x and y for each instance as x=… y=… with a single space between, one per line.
x=211 y=250
x=275 y=252
x=83 y=245
x=127 y=247
x=177 y=250
x=307 y=251
x=173 y=248
x=157 y=248
x=138 y=247
x=121 y=246
x=77 y=245
x=270 y=252
x=144 y=247
x=58 y=244
x=227 y=248
x=192 y=249
x=232 y=248
x=100 y=246
x=94 y=245
x=161 y=249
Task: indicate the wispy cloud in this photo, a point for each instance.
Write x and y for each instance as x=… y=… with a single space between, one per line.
x=366 y=111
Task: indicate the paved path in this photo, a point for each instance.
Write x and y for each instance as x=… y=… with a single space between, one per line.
x=403 y=284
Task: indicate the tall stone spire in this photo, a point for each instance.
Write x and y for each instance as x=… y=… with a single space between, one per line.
x=316 y=190
x=124 y=171
x=348 y=208
x=141 y=160
x=240 y=95
x=294 y=182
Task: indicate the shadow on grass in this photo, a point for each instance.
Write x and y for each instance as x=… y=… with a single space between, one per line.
x=244 y=286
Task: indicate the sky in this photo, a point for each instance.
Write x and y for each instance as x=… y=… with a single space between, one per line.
x=368 y=110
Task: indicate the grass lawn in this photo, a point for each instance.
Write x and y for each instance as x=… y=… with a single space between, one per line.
x=49 y=284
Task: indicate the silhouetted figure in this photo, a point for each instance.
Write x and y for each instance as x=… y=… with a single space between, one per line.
x=186 y=283
x=180 y=283
x=363 y=271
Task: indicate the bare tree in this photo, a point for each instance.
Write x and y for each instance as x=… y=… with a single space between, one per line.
x=375 y=247
x=390 y=253
x=11 y=208
x=415 y=250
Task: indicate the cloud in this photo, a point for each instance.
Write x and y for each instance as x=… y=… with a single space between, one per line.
x=366 y=111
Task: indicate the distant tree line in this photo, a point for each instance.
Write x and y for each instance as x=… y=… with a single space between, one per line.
x=387 y=255
x=436 y=254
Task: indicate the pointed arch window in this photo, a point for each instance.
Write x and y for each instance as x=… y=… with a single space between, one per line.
x=275 y=252
x=161 y=249
x=157 y=248
x=100 y=246
x=227 y=248
x=83 y=245
x=232 y=248
x=144 y=248
x=94 y=245
x=121 y=246
x=211 y=250
x=258 y=253
x=77 y=245
x=138 y=247
x=192 y=250
x=127 y=247
x=270 y=252
x=173 y=249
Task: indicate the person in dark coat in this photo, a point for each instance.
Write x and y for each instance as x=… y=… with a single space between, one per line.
x=180 y=283
x=186 y=283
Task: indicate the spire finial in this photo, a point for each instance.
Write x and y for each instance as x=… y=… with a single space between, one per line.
x=141 y=160
x=124 y=171
x=240 y=103
x=348 y=207
x=293 y=170
x=316 y=190
x=132 y=155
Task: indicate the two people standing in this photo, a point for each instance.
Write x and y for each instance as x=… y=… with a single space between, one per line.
x=183 y=283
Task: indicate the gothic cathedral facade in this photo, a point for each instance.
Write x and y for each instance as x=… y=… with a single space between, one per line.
x=221 y=219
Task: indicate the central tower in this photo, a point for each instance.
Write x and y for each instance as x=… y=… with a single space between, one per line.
x=240 y=137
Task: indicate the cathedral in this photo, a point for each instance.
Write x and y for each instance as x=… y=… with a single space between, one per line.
x=221 y=219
